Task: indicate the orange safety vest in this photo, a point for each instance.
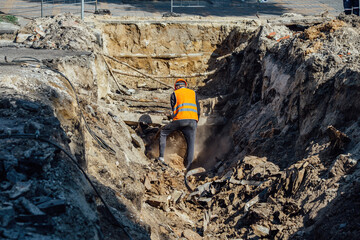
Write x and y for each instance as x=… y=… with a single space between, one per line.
x=185 y=107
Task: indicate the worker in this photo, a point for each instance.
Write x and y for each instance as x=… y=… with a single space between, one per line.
x=351 y=6
x=185 y=116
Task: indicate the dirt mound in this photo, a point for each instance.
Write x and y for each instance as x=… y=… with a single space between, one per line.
x=63 y=31
x=322 y=30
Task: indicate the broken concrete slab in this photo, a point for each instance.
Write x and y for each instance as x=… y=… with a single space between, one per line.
x=260 y=231
x=21 y=37
x=30 y=207
x=19 y=189
x=8 y=28
x=254 y=200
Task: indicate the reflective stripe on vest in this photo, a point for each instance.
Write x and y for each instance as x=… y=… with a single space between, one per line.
x=185 y=107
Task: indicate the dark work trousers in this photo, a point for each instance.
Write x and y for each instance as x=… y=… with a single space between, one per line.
x=188 y=128
x=351 y=6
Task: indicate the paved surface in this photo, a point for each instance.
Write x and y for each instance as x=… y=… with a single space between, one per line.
x=151 y=8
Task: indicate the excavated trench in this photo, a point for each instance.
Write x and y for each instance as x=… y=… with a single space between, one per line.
x=278 y=133
x=150 y=56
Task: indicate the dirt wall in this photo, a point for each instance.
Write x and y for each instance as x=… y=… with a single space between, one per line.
x=173 y=48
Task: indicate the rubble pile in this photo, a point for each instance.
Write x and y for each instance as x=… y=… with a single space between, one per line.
x=288 y=96
x=255 y=199
x=63 y=31
x=43 y=195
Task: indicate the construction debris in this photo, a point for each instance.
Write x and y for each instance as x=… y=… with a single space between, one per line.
x=66 y=32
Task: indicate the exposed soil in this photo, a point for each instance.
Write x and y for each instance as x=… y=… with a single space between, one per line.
x=278 y=135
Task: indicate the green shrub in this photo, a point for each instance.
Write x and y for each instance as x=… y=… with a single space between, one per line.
x=8 y=18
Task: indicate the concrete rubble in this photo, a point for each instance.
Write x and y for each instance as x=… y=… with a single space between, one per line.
x=64 y=32
x=279 y=143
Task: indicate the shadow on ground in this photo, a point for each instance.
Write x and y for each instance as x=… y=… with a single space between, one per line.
x=45 y=172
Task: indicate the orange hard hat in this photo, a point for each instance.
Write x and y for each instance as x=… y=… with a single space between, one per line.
x=180 y=81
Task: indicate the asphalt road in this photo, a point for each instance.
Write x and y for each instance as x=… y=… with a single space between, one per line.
x=221 y=8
